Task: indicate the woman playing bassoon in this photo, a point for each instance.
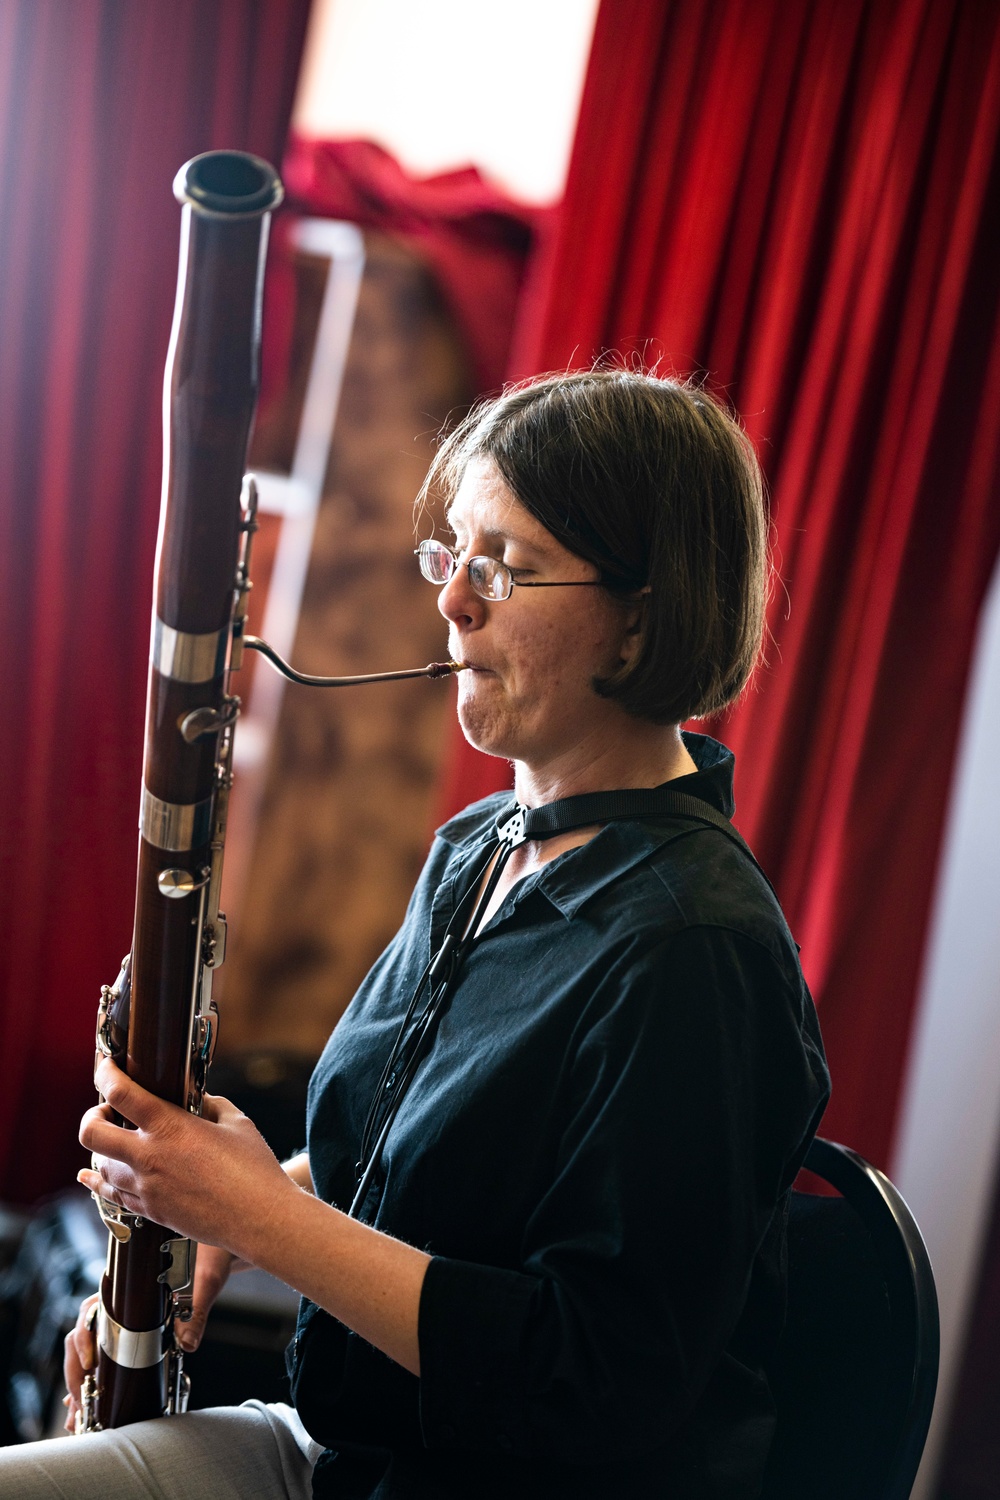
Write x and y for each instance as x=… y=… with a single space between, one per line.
x=538 y=1230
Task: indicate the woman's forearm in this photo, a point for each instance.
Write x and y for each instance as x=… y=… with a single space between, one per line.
x=366 y=1279
x=299 y=1171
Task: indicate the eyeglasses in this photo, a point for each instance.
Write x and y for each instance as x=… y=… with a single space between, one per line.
x=489 y=578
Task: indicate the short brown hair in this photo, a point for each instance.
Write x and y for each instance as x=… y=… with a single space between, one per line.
x=656 y=484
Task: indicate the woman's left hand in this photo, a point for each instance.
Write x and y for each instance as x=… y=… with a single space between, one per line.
x=211 y=1178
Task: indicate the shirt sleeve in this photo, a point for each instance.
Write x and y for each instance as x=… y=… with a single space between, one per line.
x=694 y=1084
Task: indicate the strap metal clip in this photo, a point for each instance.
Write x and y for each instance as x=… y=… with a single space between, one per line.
x=512 y=832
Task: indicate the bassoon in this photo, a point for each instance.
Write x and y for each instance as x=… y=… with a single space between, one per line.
x=158 y=1020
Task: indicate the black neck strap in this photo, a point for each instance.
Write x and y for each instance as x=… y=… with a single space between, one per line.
x=516 y=824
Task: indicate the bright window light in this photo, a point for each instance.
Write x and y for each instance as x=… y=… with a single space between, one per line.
x=442 y=83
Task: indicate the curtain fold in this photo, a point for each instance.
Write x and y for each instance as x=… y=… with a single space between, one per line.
x=474 y=238
x=798 y=200
x=100 y=103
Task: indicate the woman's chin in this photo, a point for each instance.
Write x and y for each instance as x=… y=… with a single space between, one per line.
x=484 y=732
x=487 y=744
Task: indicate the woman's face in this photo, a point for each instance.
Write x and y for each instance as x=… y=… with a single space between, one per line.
x=532 y=658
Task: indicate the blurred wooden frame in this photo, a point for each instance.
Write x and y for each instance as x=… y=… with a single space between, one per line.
x=294 y=499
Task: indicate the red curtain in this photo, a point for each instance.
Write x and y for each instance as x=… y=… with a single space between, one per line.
x=100 y=103
x=799 y=199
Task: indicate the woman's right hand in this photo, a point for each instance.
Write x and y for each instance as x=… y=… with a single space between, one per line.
x=213 y=1267
x=79 y=1356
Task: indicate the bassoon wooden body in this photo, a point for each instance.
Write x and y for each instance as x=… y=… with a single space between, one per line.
x=157 y=1021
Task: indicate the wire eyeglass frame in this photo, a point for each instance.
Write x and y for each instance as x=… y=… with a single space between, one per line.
x=491 y=579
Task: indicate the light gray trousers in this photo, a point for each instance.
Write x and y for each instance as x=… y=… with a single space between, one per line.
x=226 y=1453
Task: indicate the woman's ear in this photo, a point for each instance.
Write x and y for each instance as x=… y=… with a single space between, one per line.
x=635 y=620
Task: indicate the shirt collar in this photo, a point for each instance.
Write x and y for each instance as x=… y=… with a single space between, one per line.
x=619 y=845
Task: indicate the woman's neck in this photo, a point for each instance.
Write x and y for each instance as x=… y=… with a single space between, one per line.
x=648 y=756
x=656 y=754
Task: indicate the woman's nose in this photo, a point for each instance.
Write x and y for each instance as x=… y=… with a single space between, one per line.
x=458 y=601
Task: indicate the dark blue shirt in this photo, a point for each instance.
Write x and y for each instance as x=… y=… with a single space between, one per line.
x=597 y=1152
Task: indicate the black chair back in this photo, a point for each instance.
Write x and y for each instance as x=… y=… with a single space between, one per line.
x=855 y=1372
